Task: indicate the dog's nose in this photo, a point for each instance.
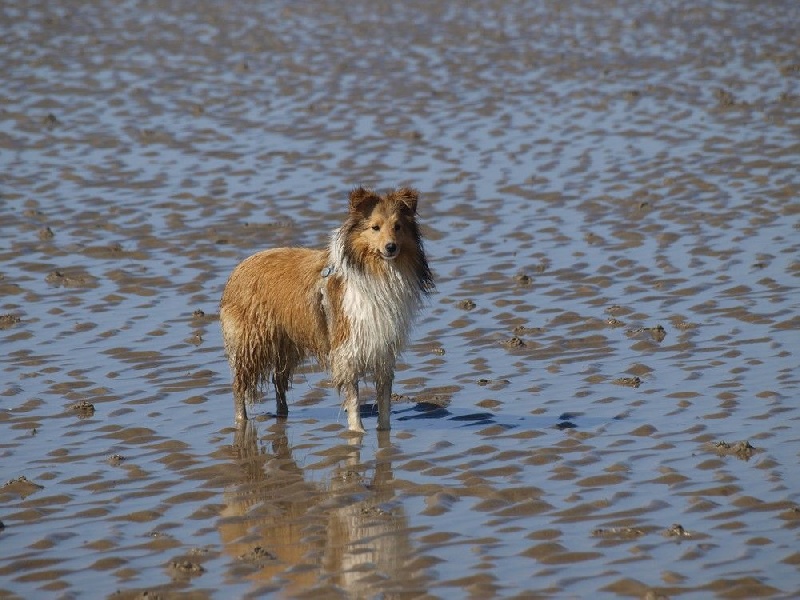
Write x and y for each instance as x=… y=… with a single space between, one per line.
x=391 y=248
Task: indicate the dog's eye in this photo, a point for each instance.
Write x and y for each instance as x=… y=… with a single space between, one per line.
x=397 y=226
x=376 y=228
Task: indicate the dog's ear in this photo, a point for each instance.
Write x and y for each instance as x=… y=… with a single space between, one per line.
x=408 y=196
x=362 y=200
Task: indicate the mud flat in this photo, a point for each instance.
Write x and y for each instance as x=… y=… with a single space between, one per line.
x=600 y=401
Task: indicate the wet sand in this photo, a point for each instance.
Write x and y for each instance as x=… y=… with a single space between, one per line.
x=601 y=399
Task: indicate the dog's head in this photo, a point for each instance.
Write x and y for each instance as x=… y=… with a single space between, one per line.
x=384 y=225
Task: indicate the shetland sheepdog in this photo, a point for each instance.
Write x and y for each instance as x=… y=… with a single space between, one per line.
x=350 y=306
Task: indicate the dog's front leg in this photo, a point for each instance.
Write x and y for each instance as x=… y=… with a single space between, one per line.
x=384 y=392
x=352 y=406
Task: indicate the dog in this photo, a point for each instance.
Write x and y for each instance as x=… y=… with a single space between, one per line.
x=350 y=306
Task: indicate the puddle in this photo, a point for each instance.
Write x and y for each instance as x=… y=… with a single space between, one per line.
x=599 y=398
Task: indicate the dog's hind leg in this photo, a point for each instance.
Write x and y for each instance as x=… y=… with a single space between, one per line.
x=285 y=360
x=242 y=392
x=281 y=382
x=239 y=408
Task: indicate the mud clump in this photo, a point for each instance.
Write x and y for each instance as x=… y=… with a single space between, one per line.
x=515 y=343
x=493 y=384
x=84 y=408
x=725 y=98
x=185 y=569
x=633 y=382
x=523 y=279
x=21 y=486
x=50 y=121
x=742 y=450
x=115 y=460
x=8 y=321
x=70 y=280
x=657 y=333
x=676 y=530
x=466 y=304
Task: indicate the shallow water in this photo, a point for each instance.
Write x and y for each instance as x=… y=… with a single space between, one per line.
x=599 y=401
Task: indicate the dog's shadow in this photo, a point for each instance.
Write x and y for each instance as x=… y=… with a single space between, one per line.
x=432 y=411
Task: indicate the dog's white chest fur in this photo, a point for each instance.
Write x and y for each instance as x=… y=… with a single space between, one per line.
x=379 y=311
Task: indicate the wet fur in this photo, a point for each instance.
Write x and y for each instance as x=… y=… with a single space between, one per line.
x=350 y=306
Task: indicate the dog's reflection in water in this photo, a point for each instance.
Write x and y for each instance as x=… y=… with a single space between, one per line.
x=297 y=531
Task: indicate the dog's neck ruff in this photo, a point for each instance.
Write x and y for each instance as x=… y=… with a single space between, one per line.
x=380 y=309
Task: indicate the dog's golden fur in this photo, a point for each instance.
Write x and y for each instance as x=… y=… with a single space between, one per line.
x=350 y=306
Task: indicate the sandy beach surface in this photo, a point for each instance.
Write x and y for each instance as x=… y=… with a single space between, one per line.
x=602 y=399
